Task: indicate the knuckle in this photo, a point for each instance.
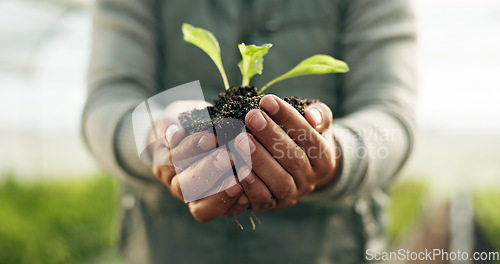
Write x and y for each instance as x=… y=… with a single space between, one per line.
x=157 y=172
x=311 y=187
x=307 y=188
x=327 y=167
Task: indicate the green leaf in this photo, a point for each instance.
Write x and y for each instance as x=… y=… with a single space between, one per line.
x=317 y=64
x=252 y=60
x=206 y=41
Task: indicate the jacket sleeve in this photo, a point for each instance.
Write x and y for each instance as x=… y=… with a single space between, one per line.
x=375 y=131
x=122 y=73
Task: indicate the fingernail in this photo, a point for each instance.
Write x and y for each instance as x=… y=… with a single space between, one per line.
x=246 y=145
x=243 y=200
x=170 y=132
x=206 y=142
x=258 y=122
x=221 y=161
x=234 y=190
x=270 y=105
x=316 y=116
x=247 y=175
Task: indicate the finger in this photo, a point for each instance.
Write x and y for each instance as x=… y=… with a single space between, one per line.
x=181 y=156
x=211 y=207
x=319 y=116
x=239 y=207
x=173 y=135
x=317 y=148
x=168 y=127
x=281 y=146
x=257 y=192
x=168 y=130
x=191 y=147
x=206 y=176
x=281 y=184
x=175 y=188
x=161 y=154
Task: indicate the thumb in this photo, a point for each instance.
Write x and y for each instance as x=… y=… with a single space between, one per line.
x=319 y=116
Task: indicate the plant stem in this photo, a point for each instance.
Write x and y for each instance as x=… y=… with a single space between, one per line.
x=266 y=86
x=245 y=81
x=224 y=78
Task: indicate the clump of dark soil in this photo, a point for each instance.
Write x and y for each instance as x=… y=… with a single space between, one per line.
x=227 y=115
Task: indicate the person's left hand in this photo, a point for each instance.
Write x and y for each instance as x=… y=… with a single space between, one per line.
x=291 y=155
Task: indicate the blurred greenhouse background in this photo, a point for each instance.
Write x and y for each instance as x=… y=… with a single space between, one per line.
x=53 y=197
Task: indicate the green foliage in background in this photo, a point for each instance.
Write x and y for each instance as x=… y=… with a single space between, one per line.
x=486 y=207
x=75 y=221
x=405 y=210
x=63 y=222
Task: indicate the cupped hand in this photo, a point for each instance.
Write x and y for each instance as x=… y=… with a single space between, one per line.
x=291 y=155
x=195 y=161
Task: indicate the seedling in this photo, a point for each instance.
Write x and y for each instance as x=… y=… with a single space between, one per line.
x=235 y=102
x=253 y=59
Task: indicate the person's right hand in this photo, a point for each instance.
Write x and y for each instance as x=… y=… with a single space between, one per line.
x=196 y=173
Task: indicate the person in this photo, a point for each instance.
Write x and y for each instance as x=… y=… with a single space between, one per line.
x=325 y=210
